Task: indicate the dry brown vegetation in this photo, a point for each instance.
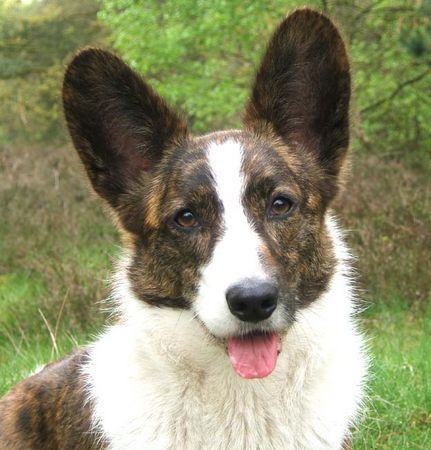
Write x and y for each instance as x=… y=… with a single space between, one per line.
x=386 y=207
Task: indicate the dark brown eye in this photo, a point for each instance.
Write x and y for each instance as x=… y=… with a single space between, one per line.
x=186 y=219
x=280 y=206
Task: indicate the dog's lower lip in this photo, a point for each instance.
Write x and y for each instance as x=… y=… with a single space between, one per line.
x=252 y=334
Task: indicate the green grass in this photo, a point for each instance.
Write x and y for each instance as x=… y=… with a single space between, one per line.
x=398 y=412
x=27 y=338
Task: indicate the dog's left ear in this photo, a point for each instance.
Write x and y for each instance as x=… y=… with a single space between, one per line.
x=302 y=89
x=120 y=126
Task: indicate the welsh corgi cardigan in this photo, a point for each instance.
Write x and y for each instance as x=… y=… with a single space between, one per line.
x=236 y=326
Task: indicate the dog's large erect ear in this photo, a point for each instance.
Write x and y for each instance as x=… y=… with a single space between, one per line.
x=302 y=89
x=118 y=124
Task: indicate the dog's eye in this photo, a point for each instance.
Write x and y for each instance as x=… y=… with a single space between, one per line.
x=280 y=206
x=186 y=219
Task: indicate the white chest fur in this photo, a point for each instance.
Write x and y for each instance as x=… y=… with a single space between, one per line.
x=159 y=383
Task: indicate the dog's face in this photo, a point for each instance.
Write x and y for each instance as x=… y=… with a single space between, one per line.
x=231 y=224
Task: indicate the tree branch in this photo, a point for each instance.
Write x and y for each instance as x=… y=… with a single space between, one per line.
x=396 y=91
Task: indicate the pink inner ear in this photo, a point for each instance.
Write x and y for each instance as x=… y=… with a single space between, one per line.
x=303 y=138
x=133 y=162
x=136 y=162
x=130 y=150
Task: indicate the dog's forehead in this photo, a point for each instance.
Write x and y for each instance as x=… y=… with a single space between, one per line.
x=236 y=161
x=259 y=155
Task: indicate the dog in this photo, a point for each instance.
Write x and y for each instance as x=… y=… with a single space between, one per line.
x=236 y=306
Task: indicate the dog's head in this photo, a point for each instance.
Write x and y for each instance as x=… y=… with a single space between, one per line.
x=231 y=224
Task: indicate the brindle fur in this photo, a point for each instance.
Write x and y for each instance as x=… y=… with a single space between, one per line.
x=141 y=159
x=49 y=410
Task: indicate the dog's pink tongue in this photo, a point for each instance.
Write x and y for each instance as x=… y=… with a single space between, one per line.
x=254 y=356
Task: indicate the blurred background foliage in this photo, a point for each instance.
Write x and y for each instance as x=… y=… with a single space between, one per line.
x=202 y=56
x=35 y=39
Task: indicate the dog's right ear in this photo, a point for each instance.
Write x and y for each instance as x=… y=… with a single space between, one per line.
x=302 y=92
x=118 y=124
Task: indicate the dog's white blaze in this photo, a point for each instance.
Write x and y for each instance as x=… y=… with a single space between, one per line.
x=235 y=257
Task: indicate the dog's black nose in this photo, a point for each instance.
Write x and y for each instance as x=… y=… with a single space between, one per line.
x=252 y=301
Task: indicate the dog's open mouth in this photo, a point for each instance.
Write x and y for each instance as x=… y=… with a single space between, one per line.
x=254 y=355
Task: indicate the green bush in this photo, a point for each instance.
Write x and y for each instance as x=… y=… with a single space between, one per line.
x=35 y=39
